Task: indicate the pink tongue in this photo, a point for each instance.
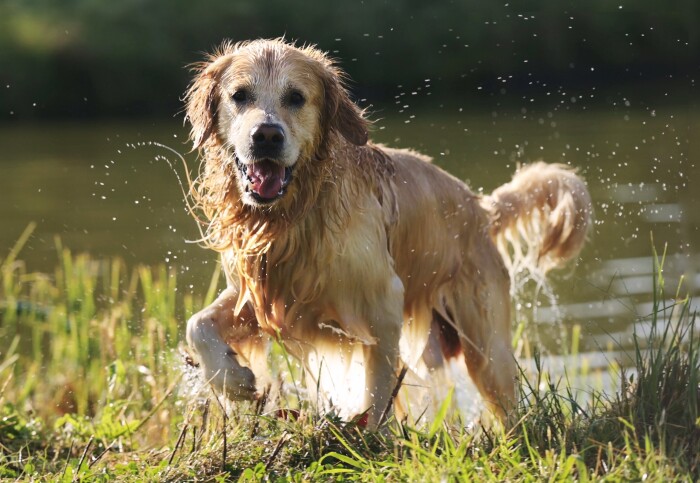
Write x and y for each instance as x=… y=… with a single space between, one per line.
x=266 y=178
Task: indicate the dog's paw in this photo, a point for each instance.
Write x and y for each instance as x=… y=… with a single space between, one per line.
x=235 y=381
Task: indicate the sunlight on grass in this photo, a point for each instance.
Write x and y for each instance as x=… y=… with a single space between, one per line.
x=93 y=386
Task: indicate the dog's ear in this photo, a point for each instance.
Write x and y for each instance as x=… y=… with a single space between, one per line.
x=341 y=113
x=203 y=101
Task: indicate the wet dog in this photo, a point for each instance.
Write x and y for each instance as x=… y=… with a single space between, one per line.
x=358 y=258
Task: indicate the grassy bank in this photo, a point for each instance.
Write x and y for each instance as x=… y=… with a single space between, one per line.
x=93 y=386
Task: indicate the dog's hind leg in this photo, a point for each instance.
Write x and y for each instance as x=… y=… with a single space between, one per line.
x=212 y=332
x=481 y=311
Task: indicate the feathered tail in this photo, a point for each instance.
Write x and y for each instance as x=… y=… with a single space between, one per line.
x=540 y=219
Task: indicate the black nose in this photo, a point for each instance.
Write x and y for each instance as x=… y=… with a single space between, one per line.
x=267 y=136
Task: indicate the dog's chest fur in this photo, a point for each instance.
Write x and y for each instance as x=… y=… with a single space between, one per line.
x=314 y=276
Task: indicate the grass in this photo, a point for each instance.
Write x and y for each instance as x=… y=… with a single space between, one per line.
x=93 y=387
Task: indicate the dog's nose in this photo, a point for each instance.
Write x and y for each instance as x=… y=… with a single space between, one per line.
x=267 y=136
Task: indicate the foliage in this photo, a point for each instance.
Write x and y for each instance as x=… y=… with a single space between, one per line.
x=92 y=388
x=67 y=57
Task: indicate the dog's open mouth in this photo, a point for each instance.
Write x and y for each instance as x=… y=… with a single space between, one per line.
x=266 y=179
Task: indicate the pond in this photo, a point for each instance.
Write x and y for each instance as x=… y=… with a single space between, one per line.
x=109 y=189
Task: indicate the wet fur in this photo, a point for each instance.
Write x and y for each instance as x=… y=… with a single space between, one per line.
x=373 y=258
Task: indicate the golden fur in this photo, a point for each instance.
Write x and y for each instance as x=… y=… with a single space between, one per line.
x=371 y=257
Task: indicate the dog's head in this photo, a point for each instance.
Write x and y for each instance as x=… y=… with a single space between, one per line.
x=272 y=108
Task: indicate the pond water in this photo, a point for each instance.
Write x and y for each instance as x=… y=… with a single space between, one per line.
x=105 y=188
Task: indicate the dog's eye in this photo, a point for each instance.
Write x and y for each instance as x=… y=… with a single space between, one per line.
x=295 y=99
x=240 y=96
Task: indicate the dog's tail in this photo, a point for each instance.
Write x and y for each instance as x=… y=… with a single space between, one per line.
x=540 y=219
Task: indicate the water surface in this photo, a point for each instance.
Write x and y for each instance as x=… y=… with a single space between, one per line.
x=105 y=188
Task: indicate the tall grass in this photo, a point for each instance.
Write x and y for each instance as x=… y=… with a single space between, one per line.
x=93 y=386
x=91 y=342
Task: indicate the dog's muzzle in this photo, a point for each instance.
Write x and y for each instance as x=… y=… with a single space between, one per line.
x=265 y=178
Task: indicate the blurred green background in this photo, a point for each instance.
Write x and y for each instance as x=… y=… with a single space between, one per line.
x=126 y=58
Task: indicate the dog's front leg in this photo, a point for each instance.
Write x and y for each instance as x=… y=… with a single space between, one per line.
x=382 y=357
x=208 y=334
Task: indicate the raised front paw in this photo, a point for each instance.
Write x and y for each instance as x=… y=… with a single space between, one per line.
x=218 y=361
x=235 y=381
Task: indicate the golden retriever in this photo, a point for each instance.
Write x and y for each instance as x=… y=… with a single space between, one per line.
x=358 y=258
